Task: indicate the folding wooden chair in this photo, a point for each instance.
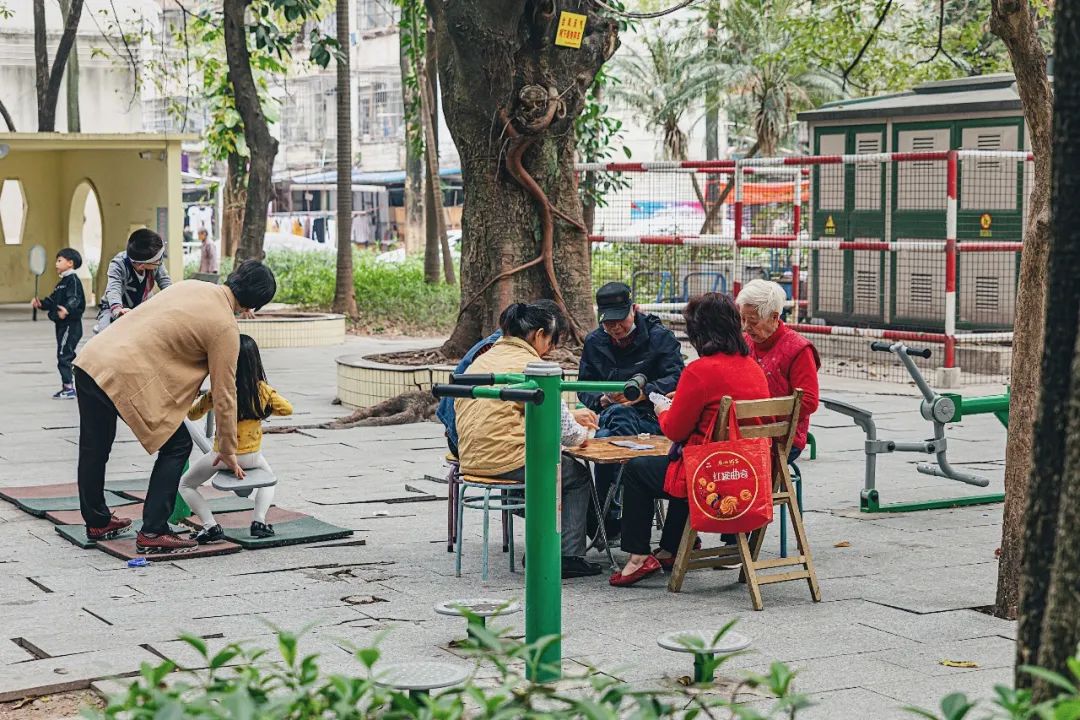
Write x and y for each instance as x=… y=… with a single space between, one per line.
x=779 y=417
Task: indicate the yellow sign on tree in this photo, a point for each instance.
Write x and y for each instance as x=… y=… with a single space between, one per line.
x=571 y=30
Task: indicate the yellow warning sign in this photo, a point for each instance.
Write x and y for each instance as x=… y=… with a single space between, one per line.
x=571 y=30
x=985 y=223
x=830 y=226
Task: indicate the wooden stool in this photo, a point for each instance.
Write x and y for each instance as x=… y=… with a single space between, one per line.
x=504 y=504
x=779 y=418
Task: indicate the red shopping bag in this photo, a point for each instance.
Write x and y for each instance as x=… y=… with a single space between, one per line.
x=729 y=482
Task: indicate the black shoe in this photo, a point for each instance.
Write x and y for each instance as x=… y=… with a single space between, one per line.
x=573 y=567
x=261 y=530
x=211 y=534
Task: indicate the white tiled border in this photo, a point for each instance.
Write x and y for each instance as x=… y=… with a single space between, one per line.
x=363 y=383
x=301 y=330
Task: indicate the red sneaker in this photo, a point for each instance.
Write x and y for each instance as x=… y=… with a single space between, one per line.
x=114 y=528
x=163 y=543
x=650 y=566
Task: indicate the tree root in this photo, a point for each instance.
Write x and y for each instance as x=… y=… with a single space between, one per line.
x=535 y=122
x=409 y=407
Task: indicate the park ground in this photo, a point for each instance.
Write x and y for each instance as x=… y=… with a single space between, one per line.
x=901 y=593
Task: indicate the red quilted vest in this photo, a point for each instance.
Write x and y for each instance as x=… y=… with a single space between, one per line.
x=776 y=362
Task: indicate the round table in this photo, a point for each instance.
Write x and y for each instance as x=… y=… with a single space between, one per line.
x=703 y=646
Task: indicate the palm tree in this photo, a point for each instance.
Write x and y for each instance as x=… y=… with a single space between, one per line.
x=768 y=79
x=661 y=83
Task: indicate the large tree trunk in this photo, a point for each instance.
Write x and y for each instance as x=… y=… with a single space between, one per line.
x=344 y=287
x=262 y=146
x=414 y=163
x=1050 y=600
x=1014 y=22
x=48 y=81
x=510 y=97
x=74 y=122
x=1049 y=625
x=235 y=198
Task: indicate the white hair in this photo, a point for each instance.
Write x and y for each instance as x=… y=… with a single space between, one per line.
x=764 y=296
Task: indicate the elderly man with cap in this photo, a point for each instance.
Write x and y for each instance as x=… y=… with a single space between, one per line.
x=627 y=343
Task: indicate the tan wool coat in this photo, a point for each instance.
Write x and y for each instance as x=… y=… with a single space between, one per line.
x=491 y=434
x=152 y=361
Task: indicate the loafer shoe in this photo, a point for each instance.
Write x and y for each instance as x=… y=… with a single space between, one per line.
x=573 y=567
x=650 y=566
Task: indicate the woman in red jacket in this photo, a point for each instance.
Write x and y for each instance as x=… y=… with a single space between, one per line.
x=789 y=360
x=724 y=368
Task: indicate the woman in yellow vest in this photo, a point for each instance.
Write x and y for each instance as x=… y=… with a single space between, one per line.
x=491 y=435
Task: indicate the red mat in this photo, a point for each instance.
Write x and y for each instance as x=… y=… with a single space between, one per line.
x=74 y=517
x=124 y=548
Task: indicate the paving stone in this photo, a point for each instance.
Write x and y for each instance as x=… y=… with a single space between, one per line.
x=73 y=672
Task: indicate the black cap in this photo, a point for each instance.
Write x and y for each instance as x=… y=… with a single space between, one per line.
x=613 y=302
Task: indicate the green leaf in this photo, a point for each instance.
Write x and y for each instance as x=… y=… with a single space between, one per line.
x=1051 y=677
x=224 y=656
x=368 y=656
x=196 y=642
x=955 y=706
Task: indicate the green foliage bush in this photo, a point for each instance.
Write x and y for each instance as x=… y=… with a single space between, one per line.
x=244 y=684
x=390 y=297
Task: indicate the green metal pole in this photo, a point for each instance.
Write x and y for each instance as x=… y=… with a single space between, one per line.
x=543 y=573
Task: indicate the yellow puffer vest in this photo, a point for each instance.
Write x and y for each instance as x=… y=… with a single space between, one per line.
x=491 y=433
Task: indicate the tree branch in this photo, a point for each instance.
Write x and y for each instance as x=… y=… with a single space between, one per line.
x=866 y=45
x=67 y=41
x=7 y=117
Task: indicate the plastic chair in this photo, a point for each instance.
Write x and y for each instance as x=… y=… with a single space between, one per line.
x=504 y=503
x=719 y=283
x=667 y=282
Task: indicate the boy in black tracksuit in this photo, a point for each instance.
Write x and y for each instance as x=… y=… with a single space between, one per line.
x=66 y=305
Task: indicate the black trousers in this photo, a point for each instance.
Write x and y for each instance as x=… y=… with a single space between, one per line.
x=643 y=483
x=97 y=431
x=68 y=335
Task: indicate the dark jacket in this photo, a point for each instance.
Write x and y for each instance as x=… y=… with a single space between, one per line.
x=653 y=351
x=69 y=294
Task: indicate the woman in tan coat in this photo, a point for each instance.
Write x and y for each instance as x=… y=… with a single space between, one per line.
x=491 y=435
x=147 y=369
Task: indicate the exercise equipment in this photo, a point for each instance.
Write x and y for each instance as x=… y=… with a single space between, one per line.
x=704 y=647
x=940 y=410
x=540 y=387
x=224 y=479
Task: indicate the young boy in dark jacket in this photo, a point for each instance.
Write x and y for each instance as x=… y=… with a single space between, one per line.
x=65 y=306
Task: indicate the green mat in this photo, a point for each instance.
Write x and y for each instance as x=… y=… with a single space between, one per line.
x=38 y=507
x=290 y=528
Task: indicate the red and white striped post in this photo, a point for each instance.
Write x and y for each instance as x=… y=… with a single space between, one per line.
x=950 y=261
x=796 y=252
x=736 y=275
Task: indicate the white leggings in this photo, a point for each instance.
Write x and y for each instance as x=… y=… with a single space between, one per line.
x=203 y=469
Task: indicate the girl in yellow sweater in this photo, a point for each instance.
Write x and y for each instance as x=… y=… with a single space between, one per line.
x=255 y=401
